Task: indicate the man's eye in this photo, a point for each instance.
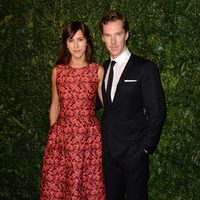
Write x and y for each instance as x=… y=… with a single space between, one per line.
x=106 y=36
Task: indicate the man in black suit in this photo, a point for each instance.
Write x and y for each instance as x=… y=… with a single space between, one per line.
x=134 y=112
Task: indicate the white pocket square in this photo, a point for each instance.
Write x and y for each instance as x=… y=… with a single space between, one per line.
x=130 y=81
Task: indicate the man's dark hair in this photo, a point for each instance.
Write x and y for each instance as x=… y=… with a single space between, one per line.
x=113 y=16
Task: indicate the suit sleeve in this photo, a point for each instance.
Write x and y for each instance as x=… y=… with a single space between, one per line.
x=98 y=104
x=154 y=103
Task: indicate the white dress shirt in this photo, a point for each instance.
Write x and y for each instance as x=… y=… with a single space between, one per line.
x=118 y=68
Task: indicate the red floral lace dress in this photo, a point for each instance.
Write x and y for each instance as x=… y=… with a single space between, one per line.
x=72 y=162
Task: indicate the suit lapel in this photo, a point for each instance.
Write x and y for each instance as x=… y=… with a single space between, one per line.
x=130 y=64
x=105 y=65
x=127 y=68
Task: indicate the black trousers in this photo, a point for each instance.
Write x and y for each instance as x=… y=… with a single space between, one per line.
x=126 y=177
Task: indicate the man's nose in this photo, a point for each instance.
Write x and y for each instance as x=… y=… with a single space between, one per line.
x=113 y=40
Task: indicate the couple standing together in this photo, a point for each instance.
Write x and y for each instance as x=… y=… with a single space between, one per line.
x=83 y=161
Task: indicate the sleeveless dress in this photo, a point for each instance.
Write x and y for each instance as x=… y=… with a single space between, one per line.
x=72 y=160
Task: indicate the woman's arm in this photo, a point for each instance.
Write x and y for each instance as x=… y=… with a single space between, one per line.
x=54 y=108
x=100 y=77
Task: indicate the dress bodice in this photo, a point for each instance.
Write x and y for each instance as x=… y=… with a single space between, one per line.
x=77 y=93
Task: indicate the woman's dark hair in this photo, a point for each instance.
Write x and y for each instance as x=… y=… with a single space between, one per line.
x=68 y=32
x=113 y=16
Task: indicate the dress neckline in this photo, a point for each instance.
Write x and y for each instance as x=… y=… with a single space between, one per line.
x=78 y=68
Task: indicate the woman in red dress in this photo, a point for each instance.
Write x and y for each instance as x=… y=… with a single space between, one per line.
x=72 y=161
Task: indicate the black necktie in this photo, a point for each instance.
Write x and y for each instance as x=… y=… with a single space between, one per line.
x=110 y=79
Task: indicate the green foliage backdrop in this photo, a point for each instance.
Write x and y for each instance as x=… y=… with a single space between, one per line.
x=166 y=32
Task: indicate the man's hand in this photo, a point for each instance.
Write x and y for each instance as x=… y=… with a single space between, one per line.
x=145 y=151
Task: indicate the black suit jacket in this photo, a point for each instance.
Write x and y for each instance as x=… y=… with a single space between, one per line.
x=124 y=122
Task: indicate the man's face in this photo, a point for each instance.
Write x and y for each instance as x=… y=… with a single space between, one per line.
x=114 y=37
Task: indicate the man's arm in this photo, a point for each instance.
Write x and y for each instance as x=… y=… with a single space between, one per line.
x=154 y=103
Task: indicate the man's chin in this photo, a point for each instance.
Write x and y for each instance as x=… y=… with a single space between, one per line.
x=114 y=55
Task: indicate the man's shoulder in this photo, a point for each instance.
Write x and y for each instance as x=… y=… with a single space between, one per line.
x=106 y=63
x=141 y=59
x=142 y=63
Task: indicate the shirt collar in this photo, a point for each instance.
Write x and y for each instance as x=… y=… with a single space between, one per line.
x=122 y=57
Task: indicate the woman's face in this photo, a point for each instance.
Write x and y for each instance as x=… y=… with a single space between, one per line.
x=77 y=45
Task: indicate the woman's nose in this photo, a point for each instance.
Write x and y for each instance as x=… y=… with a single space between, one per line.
x=75 y=44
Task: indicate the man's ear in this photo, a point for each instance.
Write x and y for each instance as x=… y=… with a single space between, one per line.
x=127 y=35
x=102 y=38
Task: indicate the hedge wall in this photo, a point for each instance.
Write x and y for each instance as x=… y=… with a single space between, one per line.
x=166 y=32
